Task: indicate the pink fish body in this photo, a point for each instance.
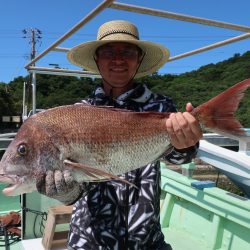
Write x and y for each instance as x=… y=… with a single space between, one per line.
x=98 y=143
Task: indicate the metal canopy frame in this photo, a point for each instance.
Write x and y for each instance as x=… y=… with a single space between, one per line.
x=142 y=10
x=131 y=8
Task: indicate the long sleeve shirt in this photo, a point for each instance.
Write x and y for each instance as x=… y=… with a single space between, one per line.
x=112 y=215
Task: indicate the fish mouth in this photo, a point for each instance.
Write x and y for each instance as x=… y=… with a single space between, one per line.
x=17 y=184
x=13 y=182
x=11 y=179
x=10 y=190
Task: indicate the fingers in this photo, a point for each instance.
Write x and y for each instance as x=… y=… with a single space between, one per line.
x=189 y=107
x=69 y=180
x=40 y=182
x=50 y=184
x=60 y=184
x=183 y=129
x=54 y=183
x=174 y=130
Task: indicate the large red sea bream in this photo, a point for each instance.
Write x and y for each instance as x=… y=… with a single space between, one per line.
x=98 y=143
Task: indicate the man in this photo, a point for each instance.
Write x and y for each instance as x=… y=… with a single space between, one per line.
x=113 y=215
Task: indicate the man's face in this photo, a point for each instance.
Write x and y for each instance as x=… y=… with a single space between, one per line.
x=117 y=62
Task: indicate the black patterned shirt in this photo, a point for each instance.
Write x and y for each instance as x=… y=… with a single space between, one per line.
x=113 y=215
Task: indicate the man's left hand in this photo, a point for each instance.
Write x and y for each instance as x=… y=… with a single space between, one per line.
x=184 y=130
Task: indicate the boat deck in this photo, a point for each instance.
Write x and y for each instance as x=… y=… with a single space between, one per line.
x=35 y=244
x=203 y=217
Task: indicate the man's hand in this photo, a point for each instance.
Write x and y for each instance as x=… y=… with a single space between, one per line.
x=184 y=130
x=58 y=185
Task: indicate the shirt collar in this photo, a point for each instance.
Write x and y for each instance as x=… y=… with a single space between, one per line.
x=138 y=94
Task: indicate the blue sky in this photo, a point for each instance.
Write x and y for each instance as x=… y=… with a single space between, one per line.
x=55 y=17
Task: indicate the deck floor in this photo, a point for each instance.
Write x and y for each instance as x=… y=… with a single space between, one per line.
x=35 y=244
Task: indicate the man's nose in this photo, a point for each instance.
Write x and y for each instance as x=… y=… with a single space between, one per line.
x=118 y=56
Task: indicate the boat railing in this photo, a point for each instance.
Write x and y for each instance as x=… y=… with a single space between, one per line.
x=5 y=140
x=211 y=151
x=234 y=164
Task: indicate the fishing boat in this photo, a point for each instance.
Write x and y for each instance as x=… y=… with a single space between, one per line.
x=195 y=214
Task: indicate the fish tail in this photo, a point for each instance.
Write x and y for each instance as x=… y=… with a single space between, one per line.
x=218 y=113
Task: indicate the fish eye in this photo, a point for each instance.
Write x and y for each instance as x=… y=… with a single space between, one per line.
x=22 y=149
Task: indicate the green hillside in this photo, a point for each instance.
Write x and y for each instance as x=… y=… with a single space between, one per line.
x=196 y=86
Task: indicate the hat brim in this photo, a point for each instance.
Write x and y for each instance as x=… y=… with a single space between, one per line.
x=156 y=55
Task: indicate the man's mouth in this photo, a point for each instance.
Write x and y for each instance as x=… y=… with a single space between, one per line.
x=118 y=70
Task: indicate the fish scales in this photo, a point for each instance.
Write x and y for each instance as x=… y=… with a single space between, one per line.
x=100 y=124
x=103 y=138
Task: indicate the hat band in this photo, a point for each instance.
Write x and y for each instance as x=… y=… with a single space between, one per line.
x=117 y=32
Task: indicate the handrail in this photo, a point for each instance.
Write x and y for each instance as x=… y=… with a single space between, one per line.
x=180 y=17
x=65 y=72
x=7 y=135
x=225 y=159
x=211 y=46
x=235 y=165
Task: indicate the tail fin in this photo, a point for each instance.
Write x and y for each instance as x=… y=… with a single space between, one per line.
x=218 y=113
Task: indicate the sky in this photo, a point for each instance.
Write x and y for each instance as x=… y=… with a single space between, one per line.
x=56 y=17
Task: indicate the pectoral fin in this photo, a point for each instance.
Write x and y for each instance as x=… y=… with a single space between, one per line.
x=96 y=175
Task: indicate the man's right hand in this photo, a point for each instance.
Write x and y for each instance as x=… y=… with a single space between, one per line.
x=59 y=185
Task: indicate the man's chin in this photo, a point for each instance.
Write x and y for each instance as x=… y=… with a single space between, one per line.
x=118 y=84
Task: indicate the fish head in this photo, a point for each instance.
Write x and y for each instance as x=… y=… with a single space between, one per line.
x=24 y=158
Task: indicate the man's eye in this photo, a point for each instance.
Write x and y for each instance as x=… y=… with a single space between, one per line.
x=107 y=53
x=125 y=54
x=128 y=53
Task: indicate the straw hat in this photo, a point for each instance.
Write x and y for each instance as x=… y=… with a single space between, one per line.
x=119 y=31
